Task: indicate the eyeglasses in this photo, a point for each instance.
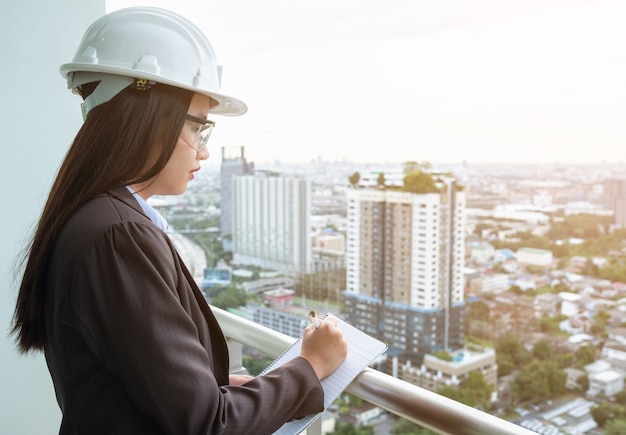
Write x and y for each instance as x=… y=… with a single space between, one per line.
x=202 y=133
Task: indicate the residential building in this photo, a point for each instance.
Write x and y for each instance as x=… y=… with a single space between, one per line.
x=534 y=257
x=546 y=304
x=614 y=349
x=364 y=414
x=489 y=283
x=435 y=373
x=405 y=264
x=571 y=304
x=603 y=379
x=271 y=217
x=481 y=252
x=287 y=319
x=233 y=163
x=615 y=200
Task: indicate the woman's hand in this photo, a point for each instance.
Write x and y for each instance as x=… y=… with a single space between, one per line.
x=324 y=347
x=239 y=380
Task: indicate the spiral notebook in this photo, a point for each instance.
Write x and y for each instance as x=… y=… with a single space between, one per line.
x=363 y=349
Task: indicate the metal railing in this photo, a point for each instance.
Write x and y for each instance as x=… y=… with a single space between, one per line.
x=423 y=407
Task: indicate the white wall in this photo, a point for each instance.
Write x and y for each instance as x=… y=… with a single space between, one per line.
x=39 y=118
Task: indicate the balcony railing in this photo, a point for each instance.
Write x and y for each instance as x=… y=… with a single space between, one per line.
x=423 y=407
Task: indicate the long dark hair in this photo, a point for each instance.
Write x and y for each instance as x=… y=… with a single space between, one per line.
x=112 y=148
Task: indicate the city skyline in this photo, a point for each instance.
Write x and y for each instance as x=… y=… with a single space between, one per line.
x=480 y=81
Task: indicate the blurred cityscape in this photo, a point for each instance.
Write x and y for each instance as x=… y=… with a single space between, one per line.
x=500 y=286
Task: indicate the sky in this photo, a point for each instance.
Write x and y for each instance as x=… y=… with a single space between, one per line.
x=444 y=81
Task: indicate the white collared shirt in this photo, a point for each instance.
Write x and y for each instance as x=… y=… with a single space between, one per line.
x=156 y=217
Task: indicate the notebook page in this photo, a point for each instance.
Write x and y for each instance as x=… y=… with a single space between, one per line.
x=362 y=351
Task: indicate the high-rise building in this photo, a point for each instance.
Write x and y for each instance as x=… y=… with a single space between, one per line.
x=404 y=261
x=233 y=163
x=271 y=222
x=615 y=199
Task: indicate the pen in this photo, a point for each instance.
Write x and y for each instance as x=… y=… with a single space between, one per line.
x=314 y=319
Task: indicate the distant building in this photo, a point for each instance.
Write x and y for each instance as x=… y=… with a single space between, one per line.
x=219 y=277
x=290 y=322
x=481 y=252
x=491 y=283
x=435 y=373
x=405 y=264
x=364 y=415
x=271 y=216
x=265 y=284
x=603 y=379
x=534 y=257
x=546 y=304
x=614 y=349
x=325 y=241
x=233 y=163
x=615 y=200
x=570 y=303
x=279 y=298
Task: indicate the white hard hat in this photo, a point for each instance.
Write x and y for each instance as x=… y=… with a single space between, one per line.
x=152 y=45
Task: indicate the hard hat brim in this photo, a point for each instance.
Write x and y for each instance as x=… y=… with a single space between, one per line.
x=227 y=105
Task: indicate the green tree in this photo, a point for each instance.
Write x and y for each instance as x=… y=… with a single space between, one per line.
x=548 y=324
x=232 y=297
x=510 y=346
x=255 y=366
x=474 y=391
x=585 y=355
x=600 y=320
x=615 y=427
x=406 y=427
x=380 y=181
x=538 y=380
x=614 y=271
x=354 y=179
x=565 y=360
x=542 y=349
x=343 y=428
x=583 y=381
x=605 y=412
x=589 y=268
x=443 y=355
x=580 y=226
x=413 y=166
x=419 y=182
x=506 y=366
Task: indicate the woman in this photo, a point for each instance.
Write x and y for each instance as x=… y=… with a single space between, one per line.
x=131 y=345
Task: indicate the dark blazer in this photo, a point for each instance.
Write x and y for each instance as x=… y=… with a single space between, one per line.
x=132 y=345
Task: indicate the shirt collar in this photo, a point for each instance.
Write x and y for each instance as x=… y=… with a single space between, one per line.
x=156 y=217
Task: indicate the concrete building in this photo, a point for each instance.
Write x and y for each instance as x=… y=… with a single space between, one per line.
x=287 y=320
x=614 y=349
x=534 y=257
x=603 y=379
x=329 y=243
x=546 y=304
x=481 y=252
x=607 y=383
x=571 y=304
x=492 y=283
x=271 y=218
x=233 y=163
x=435 y=373
x=615 y=200
x=405 y=263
